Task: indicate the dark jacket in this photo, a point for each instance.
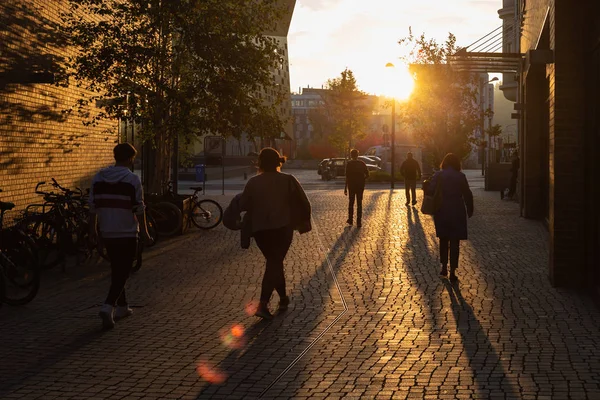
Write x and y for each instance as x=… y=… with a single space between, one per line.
x=356 y=174
x=410 y=169
x=457 y=203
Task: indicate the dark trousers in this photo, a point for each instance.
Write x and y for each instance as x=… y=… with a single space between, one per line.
x=454 y=251
x=410 y=186
x=122 y=253
x=274 y=244
x=355 y=194
x=513 y=186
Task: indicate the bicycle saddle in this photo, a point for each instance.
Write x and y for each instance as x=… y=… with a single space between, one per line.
x=6 y=206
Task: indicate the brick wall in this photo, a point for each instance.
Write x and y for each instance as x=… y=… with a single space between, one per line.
x=38 y=140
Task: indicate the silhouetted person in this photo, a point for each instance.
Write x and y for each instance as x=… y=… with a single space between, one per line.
x=278 y=206
x=514 y=173
x=117 y=212
x=411 y=171
x=356 y=176
x=451 y=218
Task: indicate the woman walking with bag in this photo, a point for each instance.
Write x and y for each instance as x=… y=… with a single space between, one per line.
x=451 y=217
x=278 y=206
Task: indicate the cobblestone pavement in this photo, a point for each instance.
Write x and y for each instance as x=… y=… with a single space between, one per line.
x=369 y=318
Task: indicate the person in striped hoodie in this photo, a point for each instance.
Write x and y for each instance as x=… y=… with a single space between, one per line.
x=117 y=213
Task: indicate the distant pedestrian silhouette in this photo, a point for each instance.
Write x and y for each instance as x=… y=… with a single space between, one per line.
x=514 y=173
x=356 y=176
x=411 y=171
x=278 y=206
x=451 y=218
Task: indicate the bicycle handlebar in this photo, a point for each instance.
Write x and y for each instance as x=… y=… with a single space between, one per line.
x=37 y=191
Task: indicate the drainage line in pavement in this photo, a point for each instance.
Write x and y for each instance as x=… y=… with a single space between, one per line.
x=311 y=345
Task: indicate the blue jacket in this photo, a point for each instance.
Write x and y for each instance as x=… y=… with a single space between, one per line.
x=457 y=203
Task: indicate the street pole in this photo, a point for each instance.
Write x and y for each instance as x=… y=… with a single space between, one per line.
x=482 y=127
x=393 y=137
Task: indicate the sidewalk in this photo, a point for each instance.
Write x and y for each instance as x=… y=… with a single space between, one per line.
x=369 y=318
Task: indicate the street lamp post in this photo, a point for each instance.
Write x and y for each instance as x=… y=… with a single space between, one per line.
x=390 y=65
x=393 y=140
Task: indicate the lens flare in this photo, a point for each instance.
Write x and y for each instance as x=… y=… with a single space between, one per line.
x=251 y=307
x=237 y=331
x=210 y=373
x=233 y=337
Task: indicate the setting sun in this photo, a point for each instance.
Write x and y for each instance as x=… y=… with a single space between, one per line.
x=393 y=81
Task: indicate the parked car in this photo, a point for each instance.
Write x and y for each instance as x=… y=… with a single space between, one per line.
x=333 y=168
x=336 y=167
x=370 y=160
x=322 y=165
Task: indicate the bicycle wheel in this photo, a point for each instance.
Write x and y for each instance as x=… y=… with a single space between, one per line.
x=49 y=240
x=151 y=224
x=207 y=214
x=167 y=217
x=138 y=260
x=20 y=271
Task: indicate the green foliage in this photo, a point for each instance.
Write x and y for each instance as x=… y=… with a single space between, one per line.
x=178 y=68
x=494 y=130
x=344 y=115
x=443 y=109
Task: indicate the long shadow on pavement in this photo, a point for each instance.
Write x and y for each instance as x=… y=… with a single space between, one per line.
x=437 y=357
x=283 y=339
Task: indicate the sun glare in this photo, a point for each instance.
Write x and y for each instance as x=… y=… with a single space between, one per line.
x=396 y=82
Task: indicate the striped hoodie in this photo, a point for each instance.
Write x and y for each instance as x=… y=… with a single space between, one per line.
x=116 y=197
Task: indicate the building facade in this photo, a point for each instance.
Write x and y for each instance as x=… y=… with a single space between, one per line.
x=560 y=125
x=39 y=140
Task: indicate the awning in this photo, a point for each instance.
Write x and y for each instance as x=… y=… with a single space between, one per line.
x=485 y=56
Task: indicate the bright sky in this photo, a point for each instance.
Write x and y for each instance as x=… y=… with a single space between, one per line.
x=326 y=36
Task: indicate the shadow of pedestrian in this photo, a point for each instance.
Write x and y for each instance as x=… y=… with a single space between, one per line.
x=489 y=374
x=285 y=339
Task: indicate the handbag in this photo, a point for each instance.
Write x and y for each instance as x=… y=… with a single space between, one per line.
x=432 y=203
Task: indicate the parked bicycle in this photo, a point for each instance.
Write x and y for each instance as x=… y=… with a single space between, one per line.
x=19 y=269
x=203 y=213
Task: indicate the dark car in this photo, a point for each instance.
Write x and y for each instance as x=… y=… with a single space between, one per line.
x=322 y=166
x=336 y=167
x=333 y=168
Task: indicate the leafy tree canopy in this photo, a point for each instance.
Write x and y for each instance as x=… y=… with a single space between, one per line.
x=178 y=68
x=344 y=115
x=443 y=109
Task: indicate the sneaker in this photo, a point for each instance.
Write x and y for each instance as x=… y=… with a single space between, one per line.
x=414 y=203
x=444 y=271
x=106 y=313
x=263 y=312
x=284 y=302
x=123 y=312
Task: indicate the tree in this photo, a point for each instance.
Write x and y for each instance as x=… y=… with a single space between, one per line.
x=177 y=69
x=443 y=109
x=344 y=115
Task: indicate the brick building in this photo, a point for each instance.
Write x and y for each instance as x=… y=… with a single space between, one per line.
x=38 y=140
x=560 y=121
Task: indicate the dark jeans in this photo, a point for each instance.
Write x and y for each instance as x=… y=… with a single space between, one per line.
x=410 y=186
x=274 y=244
x=355 y=194
x=454 y=251
x=513 y=186
x=122 y=254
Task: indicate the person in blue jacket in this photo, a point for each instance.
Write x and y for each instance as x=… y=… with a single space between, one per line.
x=451 y=218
